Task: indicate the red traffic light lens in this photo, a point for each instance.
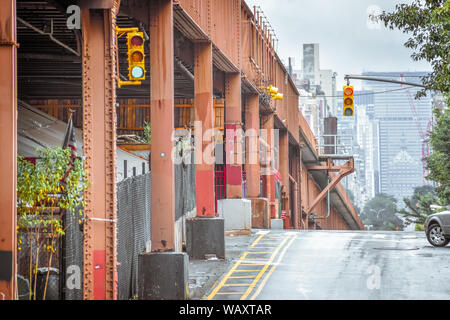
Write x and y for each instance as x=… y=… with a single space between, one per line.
x=137 y=56
x=137 y=41
x=348 y=101
x=348 y=91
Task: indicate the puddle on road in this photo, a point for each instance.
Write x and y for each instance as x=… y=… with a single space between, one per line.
x=396 y=248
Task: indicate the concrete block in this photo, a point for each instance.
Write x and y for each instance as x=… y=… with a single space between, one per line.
x=236 y=212
x=260 y=213
x=276 y=223
x=163 y=276
x=205 y=237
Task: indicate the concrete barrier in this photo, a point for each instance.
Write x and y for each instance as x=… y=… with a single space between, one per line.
x=276 y=224
x=237 y=214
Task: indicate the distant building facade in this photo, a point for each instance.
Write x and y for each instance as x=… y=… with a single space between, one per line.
x=401 y=119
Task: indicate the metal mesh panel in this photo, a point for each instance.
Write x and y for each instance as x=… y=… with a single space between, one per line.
x=25 y=284
x=72 y=262
x=184 y=182
x=133 y=231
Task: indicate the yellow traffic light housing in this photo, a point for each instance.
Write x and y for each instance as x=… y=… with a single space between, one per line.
x=348 y=101
x=278 y=96
x=273 y=91
x=136 y=56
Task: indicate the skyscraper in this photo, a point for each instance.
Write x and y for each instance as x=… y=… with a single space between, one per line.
x=402 y=122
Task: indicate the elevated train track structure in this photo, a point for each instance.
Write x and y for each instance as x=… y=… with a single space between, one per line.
x=210 y=57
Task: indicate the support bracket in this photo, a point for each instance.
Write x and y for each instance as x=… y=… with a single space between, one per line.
x=343 y=171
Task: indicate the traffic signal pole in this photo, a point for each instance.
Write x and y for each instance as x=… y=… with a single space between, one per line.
x=348 y=77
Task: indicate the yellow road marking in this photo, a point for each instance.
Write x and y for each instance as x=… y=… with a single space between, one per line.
x=229 y=293
x=252 y=285
x=236 y=284
x=225 y=278
x=257 y=240
x=242 y=261
x=261 y=286
x=256 y=252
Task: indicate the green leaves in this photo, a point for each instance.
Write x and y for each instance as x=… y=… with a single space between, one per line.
x=53 y=183
x=418 y=207
x=438 y=163
x=379 y=212
x=428 y=23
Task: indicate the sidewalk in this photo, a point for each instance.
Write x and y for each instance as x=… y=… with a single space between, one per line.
x=204 y=273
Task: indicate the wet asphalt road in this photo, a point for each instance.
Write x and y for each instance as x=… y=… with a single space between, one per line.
x=340 y=265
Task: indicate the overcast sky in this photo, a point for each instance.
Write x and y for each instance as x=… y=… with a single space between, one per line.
x=348 y=45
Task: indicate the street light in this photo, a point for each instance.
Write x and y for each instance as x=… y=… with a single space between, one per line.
x=377 y=212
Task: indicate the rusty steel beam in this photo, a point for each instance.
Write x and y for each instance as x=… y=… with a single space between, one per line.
x=99 y=139
x=284 y=168
x=252 y=163
x=162 y=115
x=204 y=116
x=345 y=170
x=267 y=170
x=233 y=135
x=8 y=167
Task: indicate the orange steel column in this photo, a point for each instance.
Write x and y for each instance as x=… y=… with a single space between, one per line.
x=284 y=171
x=204 y=113
x=99 y=138
x=162 y=116
x=268 y=126
x=252 y=159
x=8 y=156
x=233 y=136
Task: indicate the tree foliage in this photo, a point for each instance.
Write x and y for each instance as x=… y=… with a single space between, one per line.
x=45 y=191
x=438 y=162
x=379 y=213
x=418 y=206
x=428 y=23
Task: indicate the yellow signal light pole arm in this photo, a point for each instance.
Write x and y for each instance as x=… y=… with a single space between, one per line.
x=126 y=30
x=121 y=83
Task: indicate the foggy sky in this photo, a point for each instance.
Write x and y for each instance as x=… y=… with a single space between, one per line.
x=347 y=44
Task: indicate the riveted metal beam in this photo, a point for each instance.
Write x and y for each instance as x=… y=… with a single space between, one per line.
x=162 y=115
x=8 y=167
x=99 y=138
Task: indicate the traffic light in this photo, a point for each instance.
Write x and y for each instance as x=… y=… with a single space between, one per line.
x=136 y=56
x=273 y=91
x=348 y=104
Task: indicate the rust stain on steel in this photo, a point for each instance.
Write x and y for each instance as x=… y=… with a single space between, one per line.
x=204 y=115
x=99 y=137
x=252 y=161
x=8 y=156
x=162 y=97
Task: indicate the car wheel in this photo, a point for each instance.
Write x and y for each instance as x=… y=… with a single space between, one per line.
x=436 y=237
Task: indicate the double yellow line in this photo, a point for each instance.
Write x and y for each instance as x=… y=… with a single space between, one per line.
x=267 y=263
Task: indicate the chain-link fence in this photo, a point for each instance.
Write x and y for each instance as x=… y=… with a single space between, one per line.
x=72 y=261
x=133 y=231
x=133 y=238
